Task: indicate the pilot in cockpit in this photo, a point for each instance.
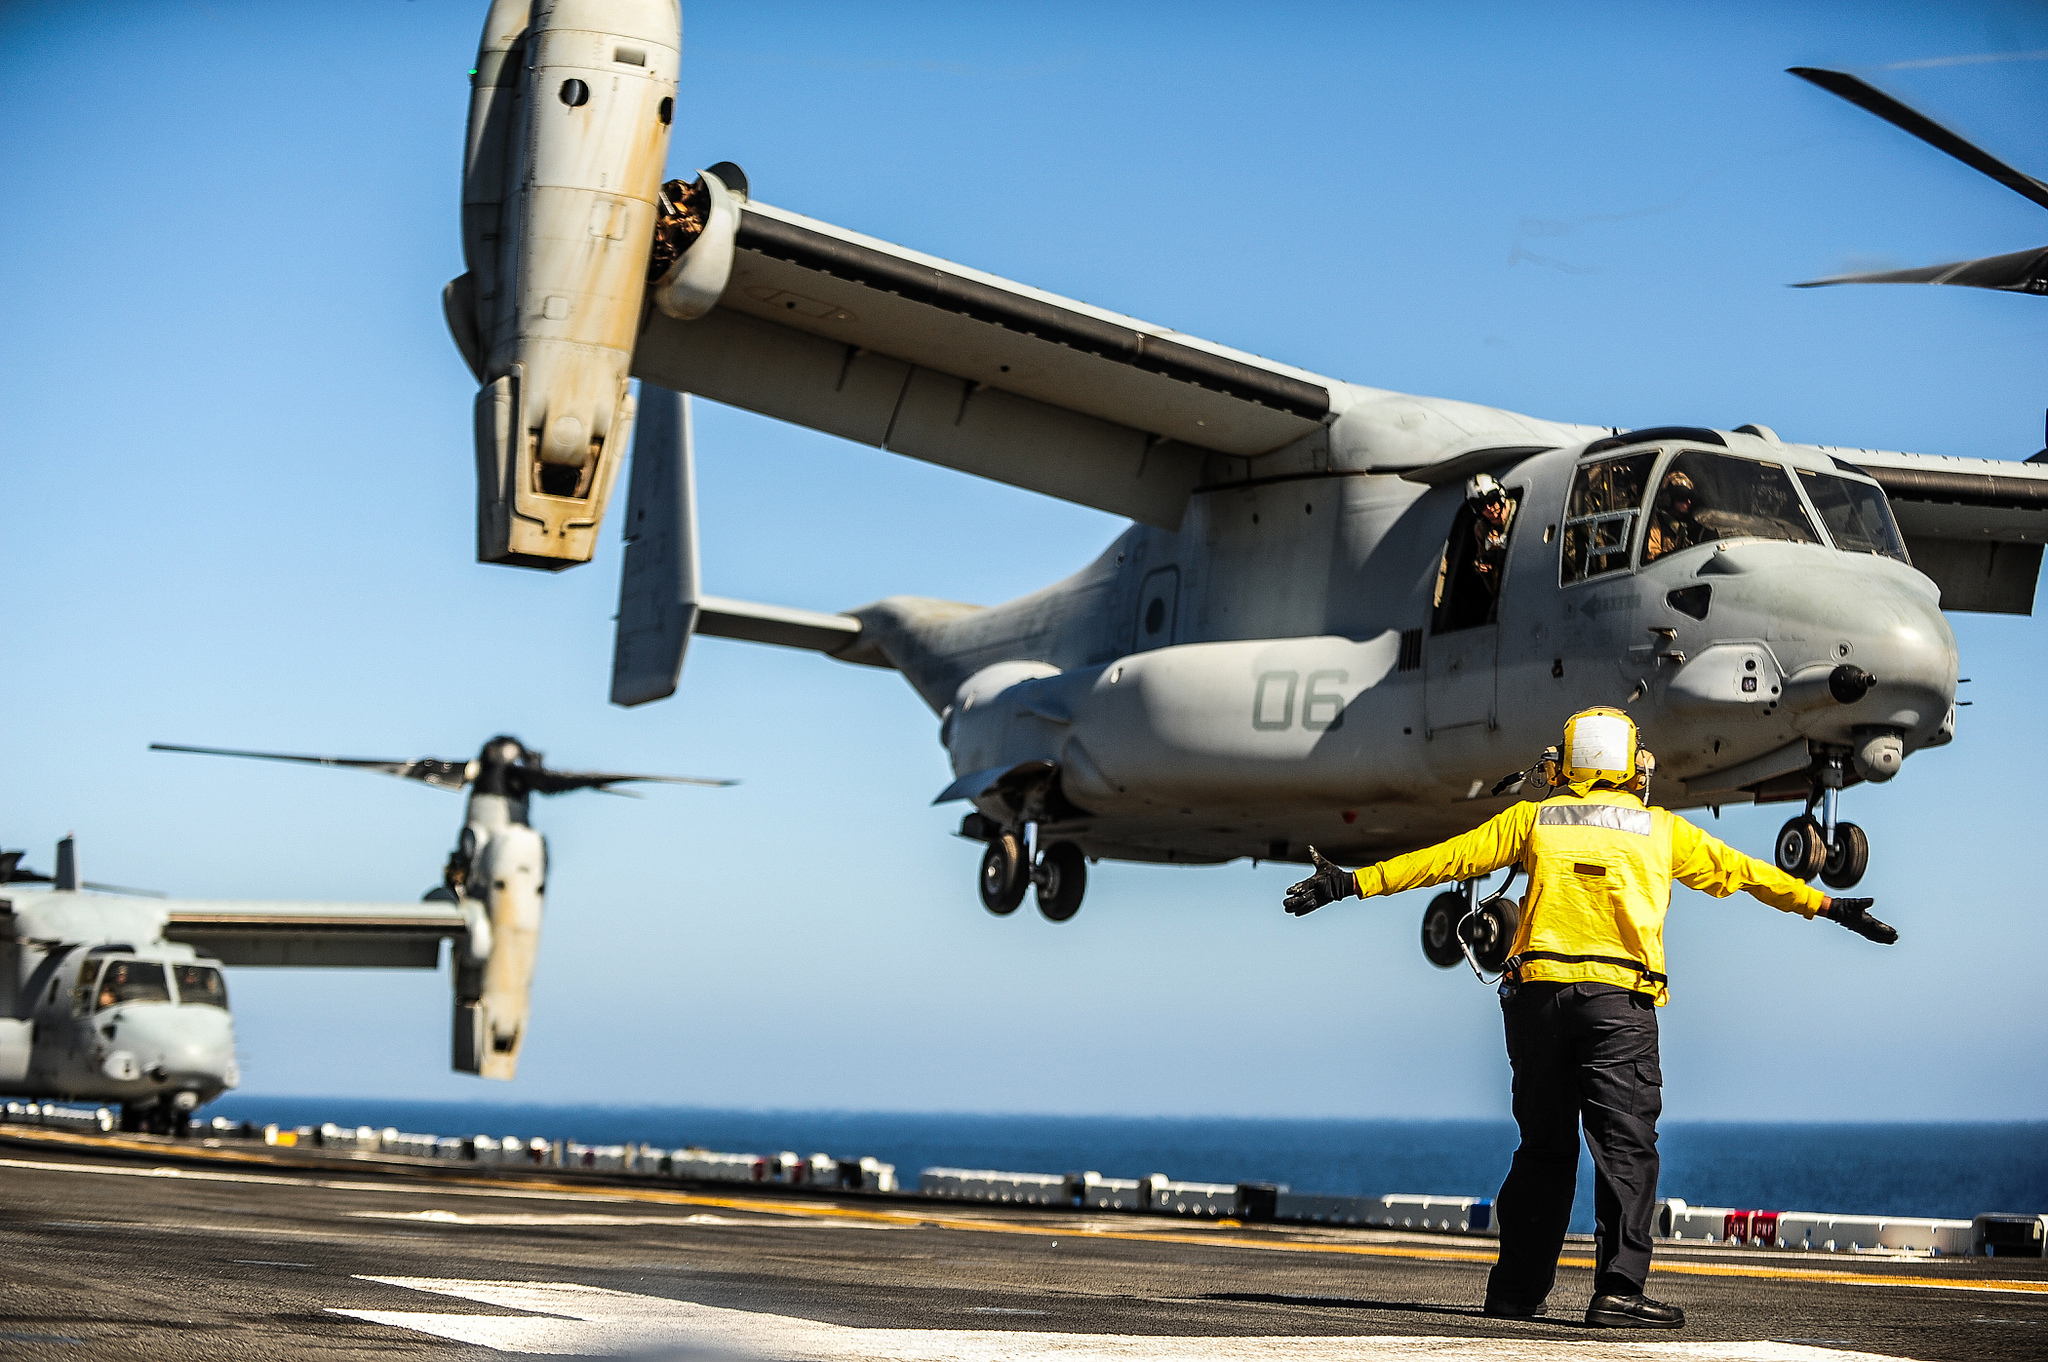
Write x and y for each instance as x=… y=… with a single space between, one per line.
x=1675 y=522
x=1493 y=511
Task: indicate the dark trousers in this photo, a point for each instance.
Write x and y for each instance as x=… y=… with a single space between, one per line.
x=1579 y=1051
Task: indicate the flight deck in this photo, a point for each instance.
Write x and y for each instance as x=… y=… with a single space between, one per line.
x=130 y=1245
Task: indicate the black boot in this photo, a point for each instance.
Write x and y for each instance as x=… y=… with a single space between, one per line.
x=1498 y=1308
x=1633 y=1312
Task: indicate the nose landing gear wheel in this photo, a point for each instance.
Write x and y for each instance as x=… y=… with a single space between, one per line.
x=1801 y=851
x=1440 y=930
x=1002 y=874
x=1062 y=879
x=1847 y=859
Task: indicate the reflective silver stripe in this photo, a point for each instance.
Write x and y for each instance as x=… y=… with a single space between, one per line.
x=1595 y=816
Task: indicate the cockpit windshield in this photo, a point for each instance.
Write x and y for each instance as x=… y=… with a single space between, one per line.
x=1600 y=516
x=1858 y=518
x=1705 y=497
x=132 y=981
x=200 y=984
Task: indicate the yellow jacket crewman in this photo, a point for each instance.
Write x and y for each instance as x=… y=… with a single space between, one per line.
x=1584 y=976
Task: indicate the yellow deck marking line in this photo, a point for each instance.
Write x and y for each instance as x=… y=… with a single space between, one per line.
x=1216 y=1237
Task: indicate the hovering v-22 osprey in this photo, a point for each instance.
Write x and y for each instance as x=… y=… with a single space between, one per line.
x=1340 y=613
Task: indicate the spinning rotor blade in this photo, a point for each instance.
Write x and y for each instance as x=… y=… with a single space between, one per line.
x=2019 y=272
x=544 y=781
x=446 y=775
x=1866 y=96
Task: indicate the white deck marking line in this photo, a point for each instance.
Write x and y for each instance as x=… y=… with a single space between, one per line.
x=525 y=1218
x=1213 y=1235
x=576 y=1319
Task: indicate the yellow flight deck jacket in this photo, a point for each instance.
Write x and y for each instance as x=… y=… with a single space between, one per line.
x=1600 y=869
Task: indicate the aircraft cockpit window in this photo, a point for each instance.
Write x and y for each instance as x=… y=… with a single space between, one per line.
x=1600 y=516
x=200 y=984
x=132 y=981
x=1705 y=497
x=1856 y=514
x=81 y=992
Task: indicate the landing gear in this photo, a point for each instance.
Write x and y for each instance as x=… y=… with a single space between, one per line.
x=1003 y=874
x=1490 y=931
x=1061 y=877
x=1847 y=859
x=1837 y=852
x=1802 y=848
x=1440 y=930
x=155 y=1118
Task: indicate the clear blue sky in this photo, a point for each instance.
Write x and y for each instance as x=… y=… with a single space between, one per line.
x=238 y=493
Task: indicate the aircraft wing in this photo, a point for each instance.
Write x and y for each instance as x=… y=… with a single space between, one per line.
x=854 y=336
x=375 y=935
x=1976 y=526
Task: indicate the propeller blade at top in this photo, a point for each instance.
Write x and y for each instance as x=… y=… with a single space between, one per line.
x=2019 y=272
x=1868 y=97
x=544 y=781
x=446 y=775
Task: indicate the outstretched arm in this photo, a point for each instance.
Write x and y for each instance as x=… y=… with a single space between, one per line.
x=1704 y=862
x=1499 y=841
x=1710 y=865
x=1495 y=843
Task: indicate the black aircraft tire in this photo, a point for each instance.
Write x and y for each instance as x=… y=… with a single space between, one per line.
x=1440 y=930
x=1847 y=859
x=1002 y=874
x=1064 y=881
x=1492 y=932
x=1800 y=849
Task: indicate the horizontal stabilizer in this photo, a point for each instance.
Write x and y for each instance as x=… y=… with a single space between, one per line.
x=777 y=624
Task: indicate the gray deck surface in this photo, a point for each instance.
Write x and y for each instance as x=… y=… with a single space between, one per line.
x=129 y=1250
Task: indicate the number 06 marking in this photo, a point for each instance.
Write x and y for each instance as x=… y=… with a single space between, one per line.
x=1273 y=701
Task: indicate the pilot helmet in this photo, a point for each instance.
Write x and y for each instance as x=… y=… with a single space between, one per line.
x=1599 y=748
x=1681 y=485
x=1483 y=488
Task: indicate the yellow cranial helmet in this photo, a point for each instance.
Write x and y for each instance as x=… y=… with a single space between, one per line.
x=1599 y=745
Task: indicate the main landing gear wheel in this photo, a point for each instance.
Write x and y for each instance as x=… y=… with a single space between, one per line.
x=1062 y=879
x=1847 y=859
x=1801 y=849
x=1440 y=930
x=1490 y=932
x=1003 y=874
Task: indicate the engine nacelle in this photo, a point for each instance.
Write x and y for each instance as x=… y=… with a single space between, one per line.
x=508 y=879
x=568 y=135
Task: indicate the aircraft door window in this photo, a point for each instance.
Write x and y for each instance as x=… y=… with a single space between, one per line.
x=1706 y=497
x=133 y=981
x=1474 y=563
x=1600 y=515
x=200 y=984
x=1857 y=516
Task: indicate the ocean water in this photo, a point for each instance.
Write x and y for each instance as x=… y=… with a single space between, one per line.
x=1950 y=1170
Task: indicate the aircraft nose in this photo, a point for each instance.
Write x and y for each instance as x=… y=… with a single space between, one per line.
x=1878 y=657
x=181 y=1046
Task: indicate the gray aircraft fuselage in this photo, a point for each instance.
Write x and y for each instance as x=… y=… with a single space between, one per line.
x=99 y=1007
x=1277 y=673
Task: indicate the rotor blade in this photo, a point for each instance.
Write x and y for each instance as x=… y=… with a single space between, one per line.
x=2019 y=272
x=1866 y=96
x=124 y=889
x=561 y=782
x=446 y=775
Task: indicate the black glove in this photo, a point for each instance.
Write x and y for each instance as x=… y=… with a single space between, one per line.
x=1327 y=885
x=1855 y=915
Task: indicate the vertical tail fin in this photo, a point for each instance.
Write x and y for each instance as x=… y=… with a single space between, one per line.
x=658 y=584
